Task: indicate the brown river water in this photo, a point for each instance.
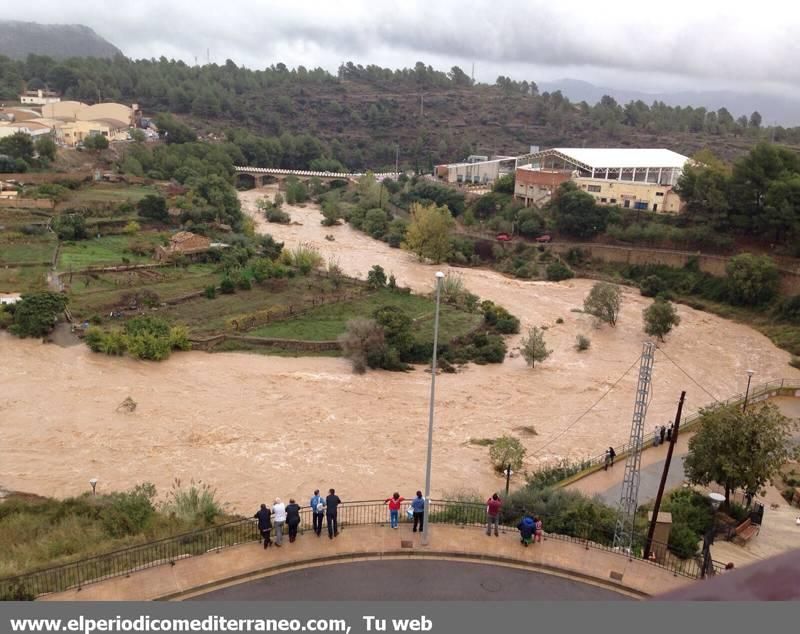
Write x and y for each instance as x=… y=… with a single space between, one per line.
x=256 y=427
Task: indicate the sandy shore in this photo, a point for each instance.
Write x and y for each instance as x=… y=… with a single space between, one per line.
x=257 y=427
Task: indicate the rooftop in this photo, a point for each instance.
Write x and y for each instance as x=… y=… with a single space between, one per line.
x=620 y=157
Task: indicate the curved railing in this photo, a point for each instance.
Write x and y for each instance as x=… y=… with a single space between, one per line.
x=122 y=563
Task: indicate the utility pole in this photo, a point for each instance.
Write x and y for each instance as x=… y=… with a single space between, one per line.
x=473 y=73
x=421 y=105
x=397 y=160
x=657 y=506
x=508 y=478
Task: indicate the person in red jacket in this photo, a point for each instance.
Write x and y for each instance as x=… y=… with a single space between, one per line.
x=493 y=505
x=394 y=503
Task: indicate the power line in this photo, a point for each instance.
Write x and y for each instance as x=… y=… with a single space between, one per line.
x=689 y=376
x=595 y=404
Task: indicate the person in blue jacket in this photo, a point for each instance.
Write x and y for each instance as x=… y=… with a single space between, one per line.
x=418 y=506
x=526 y=528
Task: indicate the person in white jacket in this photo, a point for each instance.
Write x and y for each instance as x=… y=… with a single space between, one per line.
x=278 y=520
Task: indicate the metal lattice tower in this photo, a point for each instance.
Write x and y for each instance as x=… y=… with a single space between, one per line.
x=629 y=496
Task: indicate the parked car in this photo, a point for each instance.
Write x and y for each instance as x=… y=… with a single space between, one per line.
x=544 y=238
x=503 y=237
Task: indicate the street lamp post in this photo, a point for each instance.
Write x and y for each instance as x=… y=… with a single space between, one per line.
x=747 y=391
x=426 y=509
x=93 y=482
x=708 y=539
x=509 y=473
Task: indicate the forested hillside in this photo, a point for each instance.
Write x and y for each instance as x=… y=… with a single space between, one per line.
x=362 y=115
x=60 y=41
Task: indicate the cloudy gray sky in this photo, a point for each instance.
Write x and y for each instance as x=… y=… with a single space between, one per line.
x=648 y=45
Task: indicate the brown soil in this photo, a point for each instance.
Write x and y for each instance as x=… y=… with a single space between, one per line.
x=257 y=427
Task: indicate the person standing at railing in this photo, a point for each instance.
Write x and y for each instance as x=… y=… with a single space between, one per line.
x=538 y=529
x=527 y=528
x=418 y=506
x=332 y=503
x=493 y=505
x=317 y=505
x=264 y=524
x=661 y=434
x=279 y=519
x=394 y=503
x=292 y=519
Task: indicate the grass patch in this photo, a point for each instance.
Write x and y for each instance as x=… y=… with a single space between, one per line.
x=23 y=279
x=328 y=322
x=38 y=249
x=481 y=442
x=109 y=194
x=107 y=250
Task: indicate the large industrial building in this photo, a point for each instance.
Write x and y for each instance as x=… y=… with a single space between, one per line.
x=631 y=178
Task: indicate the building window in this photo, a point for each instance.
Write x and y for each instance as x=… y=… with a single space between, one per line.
x=613 y=201
x=659 y=193
x=594 y=188
x=655 y=206
x=603 y=200
x=640 y=205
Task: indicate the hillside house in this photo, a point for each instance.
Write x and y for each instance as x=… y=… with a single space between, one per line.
x=184 y=243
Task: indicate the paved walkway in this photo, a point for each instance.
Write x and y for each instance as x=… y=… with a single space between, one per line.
x=608 y=484
x=201 y=574
x=413 y=581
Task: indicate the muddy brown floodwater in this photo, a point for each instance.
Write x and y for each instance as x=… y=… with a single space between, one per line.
x=256 y=427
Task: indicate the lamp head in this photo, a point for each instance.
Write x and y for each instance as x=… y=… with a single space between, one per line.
x=439 y=275
x=750 y=372
x=93 y=482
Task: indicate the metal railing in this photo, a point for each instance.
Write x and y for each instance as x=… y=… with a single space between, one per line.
x=756 y=394
x=122 y=563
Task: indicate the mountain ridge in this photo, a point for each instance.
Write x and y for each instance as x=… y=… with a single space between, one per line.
x=19 y=39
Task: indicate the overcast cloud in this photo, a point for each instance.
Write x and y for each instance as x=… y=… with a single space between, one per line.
x=637 y=44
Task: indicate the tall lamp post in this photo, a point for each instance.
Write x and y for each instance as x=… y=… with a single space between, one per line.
x=93 y=482
x=708 y=539
x=747 y=391
x=426 y=509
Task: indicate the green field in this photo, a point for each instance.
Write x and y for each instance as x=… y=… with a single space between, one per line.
x=327 y=322
x=92 y=294
x=107 y=250
x=32 y=249
x=23 y=279
x=109 y=193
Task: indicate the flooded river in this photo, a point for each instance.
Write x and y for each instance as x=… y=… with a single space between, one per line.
x=256 y=427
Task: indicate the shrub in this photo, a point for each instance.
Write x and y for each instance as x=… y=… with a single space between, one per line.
x=533 y=347
x=582 y=343
x=652 y=285
x=752 y=279
x=789 y=310
x=277 y=215
x=226 y=286
x=362 y=342
x=304 y=257
x=560 y=320
x=129 y=513
x=210 y=291
x=70 y=226
x=35 y=314
x=196 y=503
x=794 y=361
x=558 y=271
x=499 y=318
x=243 y=281
x=683 y=541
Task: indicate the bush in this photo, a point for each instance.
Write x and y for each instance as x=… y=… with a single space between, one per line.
x=226 y=286
x=35 y=314
x=652 y=285
x=376 y=278
x=196 y=504
x=582 y=343
x=752 y=279
x=558 y=271
x=210 y=292
x=70 y=226
x=789 y=310
x=129 y=513
x=683 y=541
x=277 y=215
x=499 y=318
x=362 y=343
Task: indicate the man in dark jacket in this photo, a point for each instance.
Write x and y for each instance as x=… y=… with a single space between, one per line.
x=332 y=503
x=292 y=519
x=264 y=524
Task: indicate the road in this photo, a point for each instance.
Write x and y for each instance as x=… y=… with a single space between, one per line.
x=412 y=580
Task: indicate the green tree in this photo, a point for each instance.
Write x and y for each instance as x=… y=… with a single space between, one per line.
x=154 y=207
x=533 y=347
x=397 y=330
x=704 y=186
x=45 y=148
x=660 y=318
x=507 y=451
x=739 y=450
x=576 y=212
x=96 y=142
x=36 y=314
x=173 y=130
x=752 y=279
x=376 y=277
x=604 y=302
x=428 y=233
x=70 y=226
x=18 y=145
x=375 y=223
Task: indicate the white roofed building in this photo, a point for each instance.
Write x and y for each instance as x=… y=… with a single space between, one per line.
x=632 y=178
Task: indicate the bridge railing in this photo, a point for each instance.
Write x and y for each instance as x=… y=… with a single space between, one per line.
x=123 y=563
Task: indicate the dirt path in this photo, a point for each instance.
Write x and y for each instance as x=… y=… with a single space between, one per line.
x=257 y=427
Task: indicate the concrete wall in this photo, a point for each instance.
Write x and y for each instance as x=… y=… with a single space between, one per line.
x=27 y=203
